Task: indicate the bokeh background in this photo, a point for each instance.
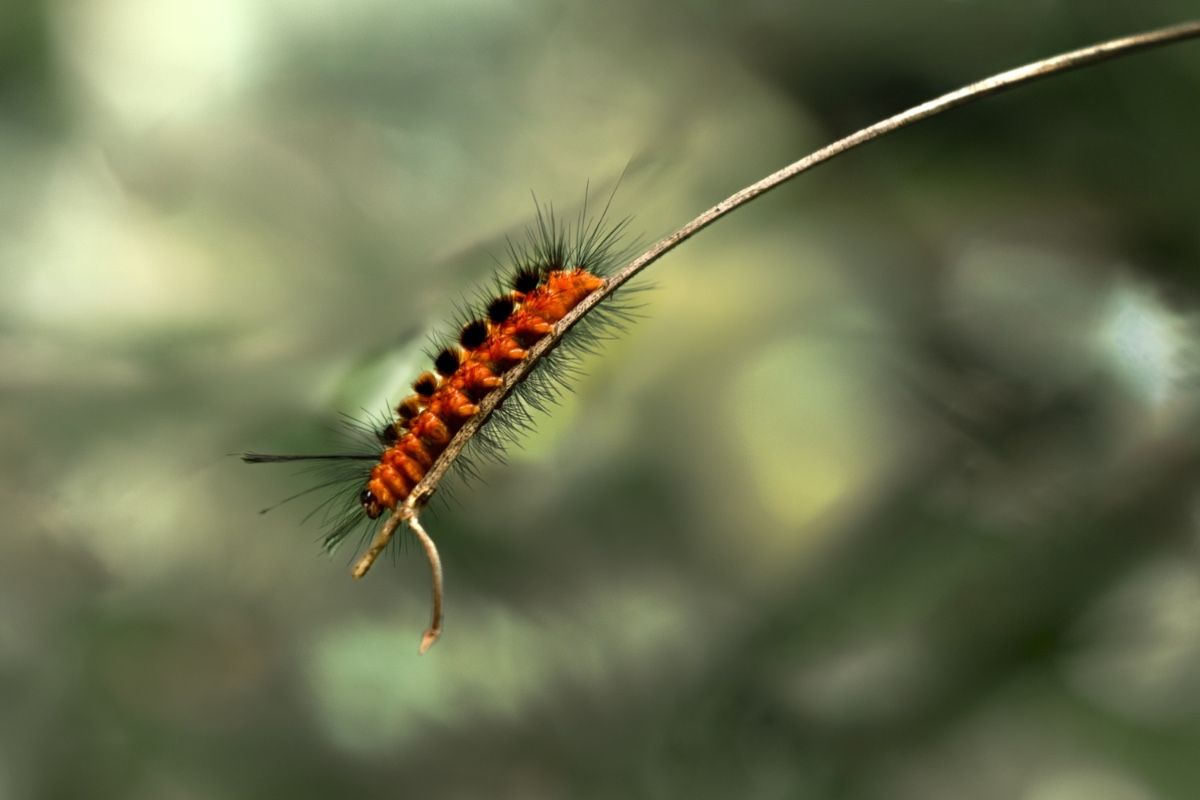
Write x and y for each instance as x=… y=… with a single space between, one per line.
x=890 y=494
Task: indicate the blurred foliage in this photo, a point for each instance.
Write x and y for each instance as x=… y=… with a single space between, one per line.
x=890 y=495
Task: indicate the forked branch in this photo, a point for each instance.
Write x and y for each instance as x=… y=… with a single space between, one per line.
x=1054 y=65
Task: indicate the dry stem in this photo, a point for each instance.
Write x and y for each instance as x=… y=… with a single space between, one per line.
x=988 y=86
x=435 y=566
x=431 y=554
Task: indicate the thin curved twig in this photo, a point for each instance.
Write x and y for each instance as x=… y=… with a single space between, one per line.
x=431 y=554
x=1053 y=65
x=435 y=565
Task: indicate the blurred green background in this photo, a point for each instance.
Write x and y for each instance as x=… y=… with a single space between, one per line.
x=889 y=495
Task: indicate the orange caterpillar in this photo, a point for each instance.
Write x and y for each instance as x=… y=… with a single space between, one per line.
x=553 y=269
x=444 y=401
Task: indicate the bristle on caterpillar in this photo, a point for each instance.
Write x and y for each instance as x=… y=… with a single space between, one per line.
x=500 y=309
x=425 y=385
x=473 y=334
x=447 y=362
x=526 y=279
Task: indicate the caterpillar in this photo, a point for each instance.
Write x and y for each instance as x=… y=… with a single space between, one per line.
x=551 y=270
x=442 y=401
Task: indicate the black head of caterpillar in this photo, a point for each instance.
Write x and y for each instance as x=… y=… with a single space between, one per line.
x=549 y=246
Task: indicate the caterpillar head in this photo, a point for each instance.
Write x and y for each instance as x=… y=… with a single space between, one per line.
x=370 y=503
